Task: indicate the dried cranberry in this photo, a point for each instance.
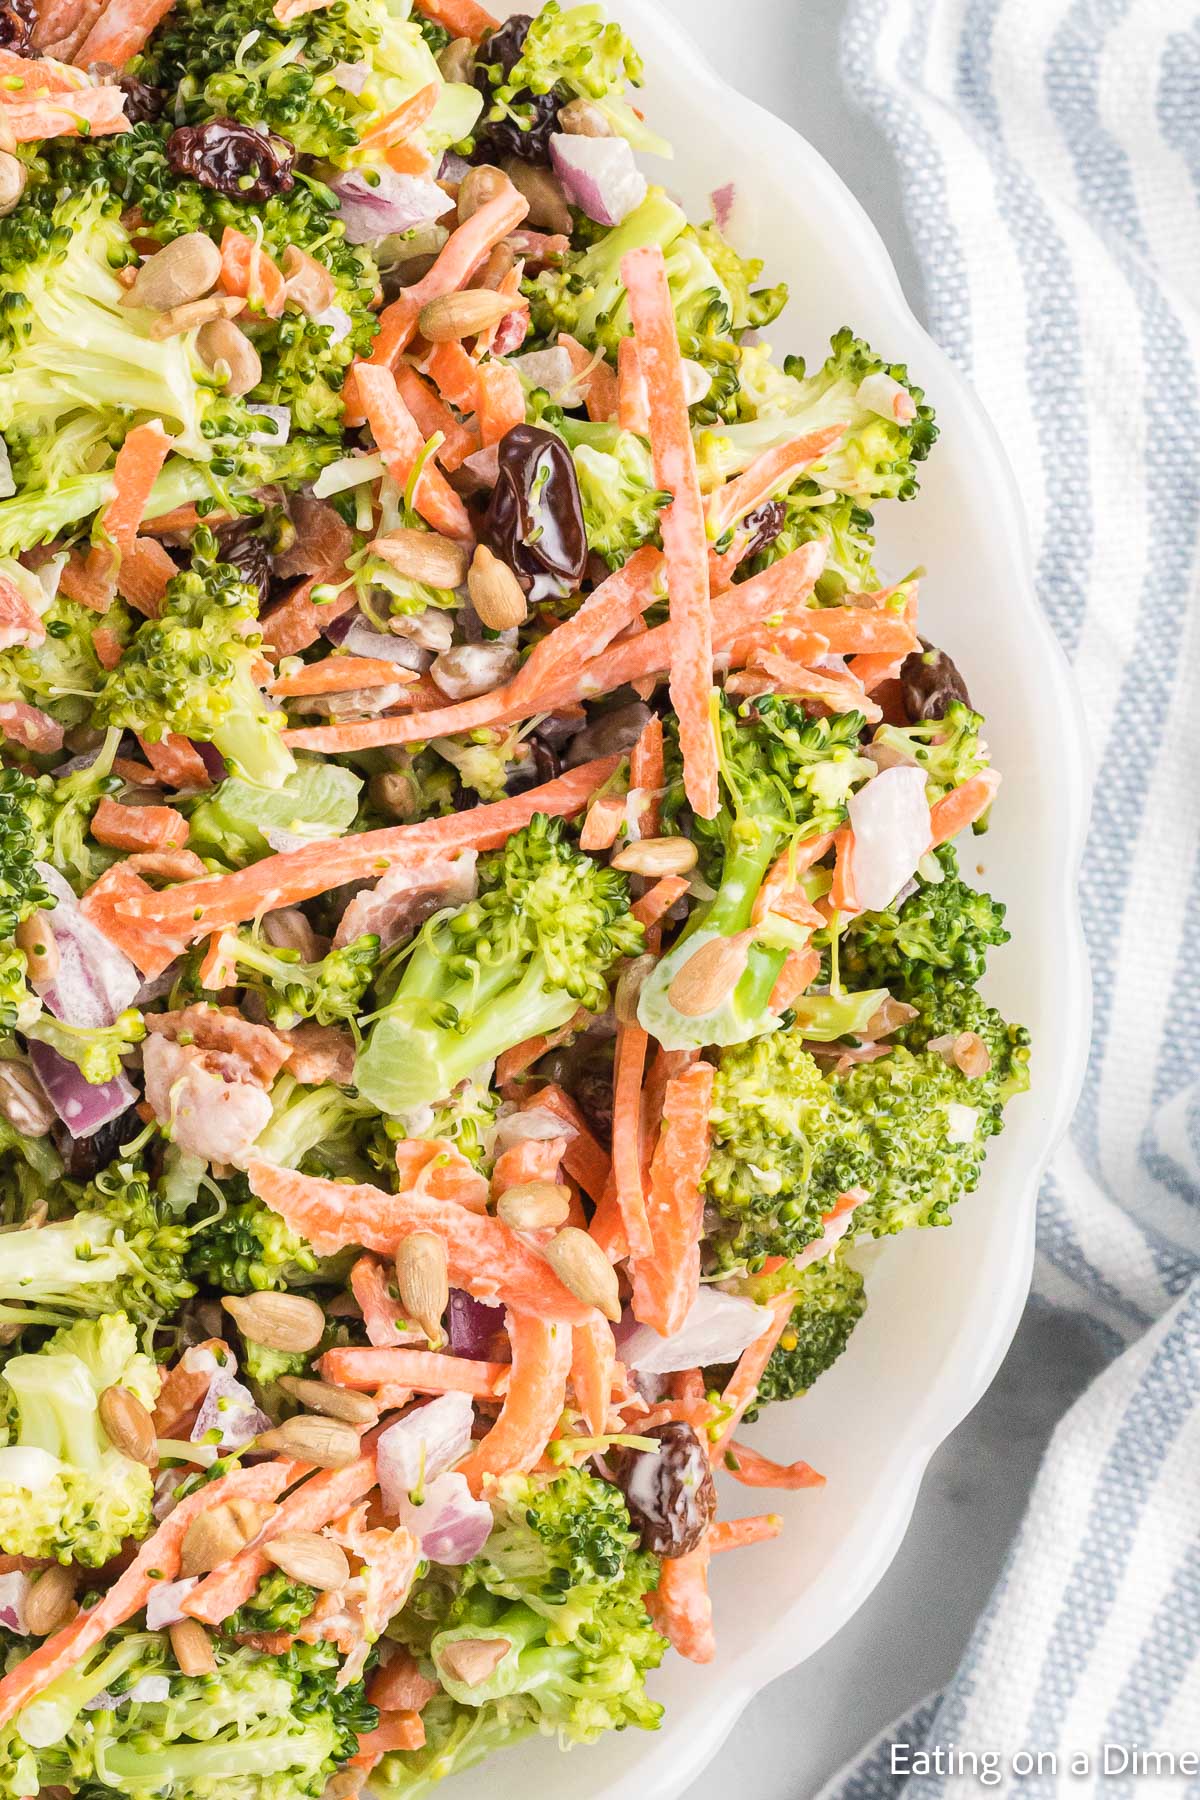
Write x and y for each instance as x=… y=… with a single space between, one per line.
x=86 y=1156
x=930 y=683
x=764 y=525
x=245 y=551
x=143 y=104
x=235 y=160
x=534 y=520
x=528 y=134
x=670 y=1493
x=17 y=20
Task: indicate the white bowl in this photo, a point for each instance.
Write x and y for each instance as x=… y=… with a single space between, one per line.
x=943 y=1305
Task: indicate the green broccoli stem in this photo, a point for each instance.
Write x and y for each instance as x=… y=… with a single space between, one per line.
x=158 y=1768
x=248 y=739
x=520 y=1627
x=754 y=845
x=46 y=1720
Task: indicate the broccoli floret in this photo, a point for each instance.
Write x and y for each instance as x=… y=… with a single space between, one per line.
x=195 y=670
x=586 y=295
x=60 y=674
x=73 y=360
x=65 y=1490
x=96 y=1050
x=59 y=814
x=910 y=1128
x=812 y=513
x=562 y=1581
x=621 y=504
x=548 y=925
x=876 y=456
x=950 y=749
x=257 y=1728
x=329 y=991
x=573 y=53
x=786 y=778
x=121 y=1251
x=277 y=1604
x=248 y=1249
x=944 y=928
x=22 y=889
x=322 y=1130
x=830 y=1300
x=318 y=799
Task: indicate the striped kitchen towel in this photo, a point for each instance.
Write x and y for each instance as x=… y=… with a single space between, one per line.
x=1050 y=155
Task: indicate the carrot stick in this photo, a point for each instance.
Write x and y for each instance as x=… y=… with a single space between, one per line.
x=138 y=827
x=737 y=1534
x=410 y=157
x=584 y=1159
x=462 y=18
x=771 y=473
x=88 y=580
x=654 y=905
x=647 y=776
x=339 y=674
x=176 y=761
x=143 y=575
x=595 y=379
x=196 y=909
x=680 y=1605
x=436 y=1169
x=399 y=438
x=499 y=400
x=395 y=1731
x=799 y=971
x=852 y=628
x=593 y=1360
x=541 y=1352
x=530 y=1159
x=246 y=269
x=322 y=1497
x=743 y=1383
x=455 y=264
x=620 y=598
x=399 y=1686
x=753 y=1469
x=298 y=620
x=157 y=1560
x=511 y=1064
x=782 y=882
x=842 y=897
x=485 y=1257
x=685 y=543
x=628 y=1071
x=608 y=1227
x=120 y=31
x=962 y=806
x=432 y=416
x=633 y=413
x=404 y=119
x=666 y=1282
x=455 y=374
x=485 y=343
x=138 y=466
x=425 y=1371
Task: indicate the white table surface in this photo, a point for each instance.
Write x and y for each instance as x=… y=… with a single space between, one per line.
x=906 y=1641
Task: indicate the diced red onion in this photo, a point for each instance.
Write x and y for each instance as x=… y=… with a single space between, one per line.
x=421 y=1446
x=450 y=1524
x=158 y=986
x=352 y=77
x=453 y=167
x=598 y=175
x=95 y=981
x=722 y=204
x=363 y=640
x=336 y=631
x=214 y=762
x=553 y=370
x=229 y=1408
x=339 y=321
x=280 y=428
x=14 y=1595
x=395 y=203
x=717 y=1329
x=890 y=820
x=511 y=332
x=471 y=1324
x=82 y=1106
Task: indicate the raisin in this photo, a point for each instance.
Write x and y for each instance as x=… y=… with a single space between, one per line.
x=931 y=684
x=85 y=1156
x=534 y=520
x=143 y=104
x=17 y=20
x=670 y=1493
x=235 y=160
x=244 y=550
x=764 y=525
x=528 y=133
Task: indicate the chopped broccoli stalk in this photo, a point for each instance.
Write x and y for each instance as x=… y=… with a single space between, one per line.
x=318 y=1129
x=786 y=778
x=195 y=670
x=65 y=1491
x=318 y=799
x=538 y=942
x=96 y=1050
x=563 y=1581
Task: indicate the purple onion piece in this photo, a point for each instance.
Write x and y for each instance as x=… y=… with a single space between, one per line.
x=598 y=175
x=14 y=1596
x=95 y=980
x=363 y=640
x=421 y=1446
x=214 y=762
x=164 y=1605
x=82 y=1107
x=450 y=1523
x=453 y=167
x=718 y=1328
x=471 y=1324
x=336 y=631
x=229 y=1408
x=396 y=203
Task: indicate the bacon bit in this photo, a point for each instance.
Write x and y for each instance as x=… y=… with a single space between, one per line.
x=260 y=1051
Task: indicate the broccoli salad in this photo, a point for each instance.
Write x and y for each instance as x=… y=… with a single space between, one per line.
x=482 y=943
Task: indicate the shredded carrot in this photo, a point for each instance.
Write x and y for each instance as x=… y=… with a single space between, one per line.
x=667 y=1280
x=138 y=466
x=596 y=379
x=395 y=1731
x=218 y=966
x=462 y=18
x=399 y=1686
x=88 y=581
x=753 y=1469
x=85 y=112
x=771 y=473
x=633 y=412
x=248 y=271
x=511 y=1064
x=176 y=761
x=404 y=119
x=424 y=1371
x=399 y=438
x=107 y=646
x=499 y=400
x=842 y=896
x=533 y=1404
x=376 y=1294
x=455 y=375
x=602 y=826
x=800 y=969
x=584 y=1159
x=593 y=1361
x=143 y=575
x=737 y=1534
x=628 y=1070
x=962 y=806
x=484 y=1257
x=144 y=923
x=620 y=598
x=743 y=1383
x=529 y=1159
x=647 y=776
x=432 y=417
x=340 y=674
x=485 y=343
x=436 y=1169
x=120 y=31
x=138 y=827
x=456 y=262
x=681 y=1607
x=658 y=901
